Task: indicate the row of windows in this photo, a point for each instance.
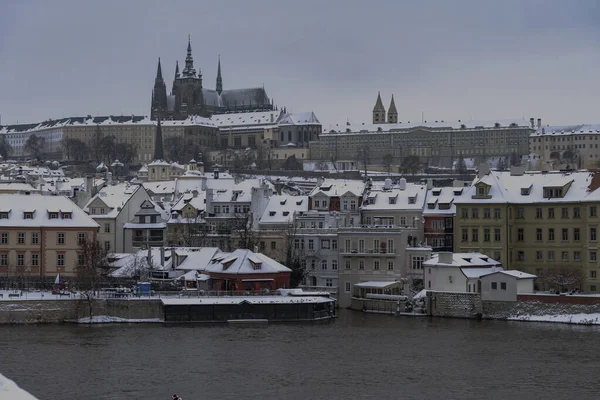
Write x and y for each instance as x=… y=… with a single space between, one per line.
x=551 y=235
x=325 y=244
x=34 y=260
x=551 y=256
x=487 y=235
x=520 y=213
x=35 y=238
x=379 y=246
x=375 y=265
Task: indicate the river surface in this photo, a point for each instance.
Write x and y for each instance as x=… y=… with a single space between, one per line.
x=357 y=356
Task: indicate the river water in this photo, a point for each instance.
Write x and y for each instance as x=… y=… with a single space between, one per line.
x=357 y=356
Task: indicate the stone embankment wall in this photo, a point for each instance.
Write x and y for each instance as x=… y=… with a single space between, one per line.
x=512 y=309
x=451 y=304
x=470 y=305
x=57 y=311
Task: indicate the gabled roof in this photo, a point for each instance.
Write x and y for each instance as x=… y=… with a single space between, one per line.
x=41 y=206
x=240 y=262
x=114 y=197
x=281 y=209
x=338 y=187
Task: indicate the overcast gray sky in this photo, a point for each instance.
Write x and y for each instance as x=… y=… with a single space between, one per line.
x=458 y=59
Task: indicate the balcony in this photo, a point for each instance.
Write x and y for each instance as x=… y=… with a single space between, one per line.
x=368 y=252
x=139 y=241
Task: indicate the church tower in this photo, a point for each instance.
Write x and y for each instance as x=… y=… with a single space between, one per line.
x=159 y=94
x=219 y=78
x=392 y=116
x=159 y=153
x=379 y=111
x=187 y=89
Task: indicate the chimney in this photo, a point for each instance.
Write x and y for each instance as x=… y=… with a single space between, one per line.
x=89 y=184
x=445 y=257
x=484 y=169
x=174 y=263
x=429 y=183
x=539 y=124
x=517 y=170
x=532 y=122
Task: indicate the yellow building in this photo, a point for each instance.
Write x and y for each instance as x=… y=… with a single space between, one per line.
x=542 y=223
x=41 y=235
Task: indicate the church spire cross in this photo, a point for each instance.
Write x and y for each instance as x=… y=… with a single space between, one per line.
x=219 y=78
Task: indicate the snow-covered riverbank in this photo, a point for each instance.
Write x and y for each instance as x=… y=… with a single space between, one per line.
x=11 y=391
x=579 y=319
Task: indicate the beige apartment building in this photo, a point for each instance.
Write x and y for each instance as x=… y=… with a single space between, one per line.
x=559 y=146
x=140 y=132
x=41 y=235
x=541 y=223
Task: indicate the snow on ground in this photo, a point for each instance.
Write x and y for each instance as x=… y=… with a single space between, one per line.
x=105 y=319
x=581 y=319
x=10 y=390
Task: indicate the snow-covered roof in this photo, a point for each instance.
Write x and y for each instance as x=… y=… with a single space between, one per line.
x=427 y=125
x=248 y=299
x=377 y=284
x=14 y=206
x=197 y=260
x=252 y=119
x=475 y=273
x=441 y=200
x=567 y=130
x=17 y=187
x=474 y=259
x=528 y=188
x=305 y=118
x=410 y=198
x=281 y=209
x=518 y=274
x=114 y=197
x=339 y=187
x=243 y=261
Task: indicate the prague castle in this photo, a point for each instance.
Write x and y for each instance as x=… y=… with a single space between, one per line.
x=189 y=97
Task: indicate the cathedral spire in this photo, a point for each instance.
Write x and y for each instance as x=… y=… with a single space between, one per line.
x=392 y=113
x=189 y=71
x=379 y=111
x=176 y=69
x=158 y=142
x=219 y=78
x=159 y=78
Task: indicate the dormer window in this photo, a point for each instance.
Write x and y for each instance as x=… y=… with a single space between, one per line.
x=272 y=213
x=53 y=215
x=4 y=215
x=392 y=200
x=412 y=200
x=286 y=213
x=66 y=215
x=481 y=191
x=431 y=206
x=256 y=266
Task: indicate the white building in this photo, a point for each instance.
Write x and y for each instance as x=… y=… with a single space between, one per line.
x=458 y=272
x=505 y=285
x=112 y=208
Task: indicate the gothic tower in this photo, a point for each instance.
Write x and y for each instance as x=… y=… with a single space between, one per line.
x=187 y=89
x=392 y=116
x=379 y=111
x=219 y=79
x=159 y=153
x=159 y=94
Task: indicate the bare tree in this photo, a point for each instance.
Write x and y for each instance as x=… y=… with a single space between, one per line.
x=295 y=258
x=189 y=232
x=411 y=164
x=35 y=146
x=243 y=232
x=91 y=270
x=5 y=148
x=388 y=160
x=565 y=278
